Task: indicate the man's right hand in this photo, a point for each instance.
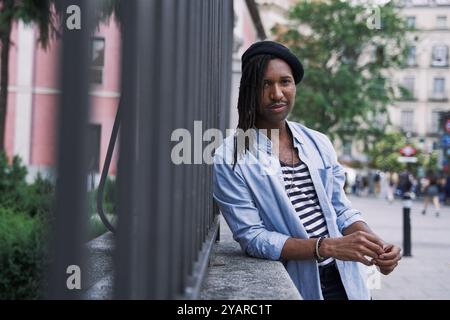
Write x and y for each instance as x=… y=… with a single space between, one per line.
x=353 y=247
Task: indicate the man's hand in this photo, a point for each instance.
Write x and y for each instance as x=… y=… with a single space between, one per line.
x=354 y=247
x=389 y=259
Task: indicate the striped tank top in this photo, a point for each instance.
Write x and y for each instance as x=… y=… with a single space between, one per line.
x=300 y=190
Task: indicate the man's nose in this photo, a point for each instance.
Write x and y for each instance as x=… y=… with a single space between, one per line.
x=276 y=93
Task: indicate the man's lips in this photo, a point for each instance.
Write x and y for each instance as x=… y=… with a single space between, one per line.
x=277 y=107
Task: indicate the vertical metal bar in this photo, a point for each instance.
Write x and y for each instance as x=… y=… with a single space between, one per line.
x=137 y=238
x=187 y=168
x=188 y=187
x=197 y=75
x=163 y=124
x=178 y=209
x=203 y=101
x=125 y=278
x=70 y=216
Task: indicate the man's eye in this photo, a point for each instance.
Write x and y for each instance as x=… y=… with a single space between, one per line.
x=286 y=81
x=266 y=84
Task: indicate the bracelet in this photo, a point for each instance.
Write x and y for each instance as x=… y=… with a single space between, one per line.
x=316 y=252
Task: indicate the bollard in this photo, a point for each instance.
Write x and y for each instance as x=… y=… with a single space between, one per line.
x=407 y=203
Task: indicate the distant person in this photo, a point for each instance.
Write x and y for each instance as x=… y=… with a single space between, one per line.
x=431 y=192
x=447 y=189
x=390 y=188
x=405 y=184
x=377 y=183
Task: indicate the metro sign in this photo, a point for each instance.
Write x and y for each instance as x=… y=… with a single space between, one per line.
x=447 y=126
x=408 y=151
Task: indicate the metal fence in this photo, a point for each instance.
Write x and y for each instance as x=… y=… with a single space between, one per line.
x=176 y=69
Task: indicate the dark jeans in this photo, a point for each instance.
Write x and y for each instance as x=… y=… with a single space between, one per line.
x=331 y=283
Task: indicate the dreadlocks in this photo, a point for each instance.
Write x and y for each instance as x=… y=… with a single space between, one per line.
x=250 y=93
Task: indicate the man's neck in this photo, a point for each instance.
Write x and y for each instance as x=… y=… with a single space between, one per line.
x=283 y=133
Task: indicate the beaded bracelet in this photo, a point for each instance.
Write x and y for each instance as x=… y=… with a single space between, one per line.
x=316 y=252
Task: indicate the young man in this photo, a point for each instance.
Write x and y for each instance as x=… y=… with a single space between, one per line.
x=282 y=191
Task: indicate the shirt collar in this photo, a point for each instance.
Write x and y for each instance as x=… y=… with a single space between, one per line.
x=265 y=144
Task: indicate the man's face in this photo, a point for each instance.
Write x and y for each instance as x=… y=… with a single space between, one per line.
x=278 y=93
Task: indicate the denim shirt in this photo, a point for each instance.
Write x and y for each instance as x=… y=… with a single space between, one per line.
x=254 y=203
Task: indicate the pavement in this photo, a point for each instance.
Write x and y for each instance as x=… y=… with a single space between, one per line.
x=424 y=275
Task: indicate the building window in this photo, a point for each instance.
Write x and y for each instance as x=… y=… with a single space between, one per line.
x=435 y=121
x=98 y=60
x=441 y=22
x=439 y=92
x=411 y=22
x=411 y=59
x=408 y=88
x=440 y=56
x=439 y=85
x=94 y=140
x=407 y=120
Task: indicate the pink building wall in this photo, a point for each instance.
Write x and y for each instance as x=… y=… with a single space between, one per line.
x=45 y=94
x=11 y=106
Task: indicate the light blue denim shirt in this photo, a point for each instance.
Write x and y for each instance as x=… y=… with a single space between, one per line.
x=254 y=203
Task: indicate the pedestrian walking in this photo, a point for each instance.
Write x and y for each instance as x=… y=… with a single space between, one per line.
x=431 y=194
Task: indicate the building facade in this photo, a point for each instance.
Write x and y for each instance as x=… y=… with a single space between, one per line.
x=426 y=76
x=33 y=93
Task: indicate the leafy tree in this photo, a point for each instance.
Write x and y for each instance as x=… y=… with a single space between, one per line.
x=385 y=151
x=346 y=89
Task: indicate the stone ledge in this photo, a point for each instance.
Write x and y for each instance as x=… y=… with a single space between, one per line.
x=98 y=278
x=233 y=275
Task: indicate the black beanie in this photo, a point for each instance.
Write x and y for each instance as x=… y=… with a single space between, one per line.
x=278 y=50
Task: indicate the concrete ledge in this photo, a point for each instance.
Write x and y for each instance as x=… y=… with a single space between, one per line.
x=234 y=275
x=98 y=279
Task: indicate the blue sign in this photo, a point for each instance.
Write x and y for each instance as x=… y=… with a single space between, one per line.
x=445 y=140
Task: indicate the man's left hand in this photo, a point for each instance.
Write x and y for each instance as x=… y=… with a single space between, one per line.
x=389 y=259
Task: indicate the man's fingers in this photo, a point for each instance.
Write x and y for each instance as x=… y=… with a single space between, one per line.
x=388 y=256
x=391 y=254
x=387 y=270
x=386 y=263
x=373 y=238
x=374 y=247
x=368 y=252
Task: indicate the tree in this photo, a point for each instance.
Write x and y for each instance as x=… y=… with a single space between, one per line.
x=28 y=11
x=385 y=151
x=346 y=89
x=44 y=14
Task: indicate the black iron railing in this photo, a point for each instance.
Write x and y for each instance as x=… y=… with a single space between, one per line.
x=176 y=69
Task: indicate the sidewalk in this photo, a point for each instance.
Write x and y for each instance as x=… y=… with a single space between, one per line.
x=425 y=275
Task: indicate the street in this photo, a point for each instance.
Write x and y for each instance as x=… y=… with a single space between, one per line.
x=424 y=275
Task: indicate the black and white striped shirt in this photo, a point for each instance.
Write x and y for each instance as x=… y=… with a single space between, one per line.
x=301 y=192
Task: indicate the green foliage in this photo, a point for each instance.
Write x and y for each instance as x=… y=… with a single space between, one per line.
x=345 y=93
x=386 y=150
x=96 y=226
x=22 y=255
x=110 y=196
x=29 y=11
x=24 y=213
x=17 y=195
